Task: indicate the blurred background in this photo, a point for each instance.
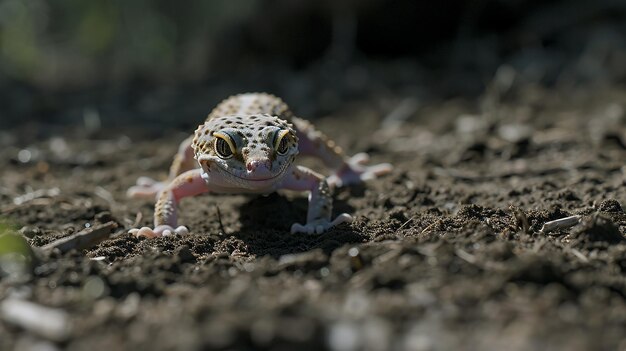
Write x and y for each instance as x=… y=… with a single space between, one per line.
x=120 y=63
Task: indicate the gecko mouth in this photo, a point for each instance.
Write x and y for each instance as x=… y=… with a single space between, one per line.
x=253 y=178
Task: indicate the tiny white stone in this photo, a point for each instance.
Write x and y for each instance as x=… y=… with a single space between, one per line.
x=343 y=337
x=24 y=155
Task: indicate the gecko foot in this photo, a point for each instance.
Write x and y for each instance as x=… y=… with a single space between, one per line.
x=160 y=230
x=319 y=226
x=146 y=188
x=356 y=170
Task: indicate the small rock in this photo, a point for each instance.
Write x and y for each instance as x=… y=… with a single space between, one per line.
x=344 y=336
x=611 y=206
x=514 y=133
x=30 y=231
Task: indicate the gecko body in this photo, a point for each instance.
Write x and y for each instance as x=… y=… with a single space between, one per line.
x=248 y=144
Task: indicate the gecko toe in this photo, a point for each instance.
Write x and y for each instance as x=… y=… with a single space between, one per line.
x=182 y=230
x=334 y=181
x=296 y=228
x=360 y=159
x=380 y=169
x=342 y=218
x=143 y=232
x=160 y=230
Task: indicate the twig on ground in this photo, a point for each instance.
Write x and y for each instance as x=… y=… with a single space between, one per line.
x=219 y=219
x=83 y=239
x=50 y=323
x=465 y=256
x=430 y=226
x=579 y=255
x=560 y=224
x=407 y=222
x=36 y=194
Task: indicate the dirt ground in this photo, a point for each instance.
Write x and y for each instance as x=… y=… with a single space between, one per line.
x=445 y=253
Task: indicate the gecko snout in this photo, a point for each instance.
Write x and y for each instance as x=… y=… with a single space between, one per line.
x=258 y=165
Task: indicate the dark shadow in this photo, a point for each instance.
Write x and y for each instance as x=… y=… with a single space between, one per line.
x=357 y=190
x=266 y=222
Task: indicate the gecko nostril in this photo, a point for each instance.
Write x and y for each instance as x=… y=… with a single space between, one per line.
x=258 y=165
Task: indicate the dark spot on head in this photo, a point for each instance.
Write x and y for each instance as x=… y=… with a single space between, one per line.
x=269 y=124
x=239 y=122
x=249 y=135
x=252 y=146
x=229 y=122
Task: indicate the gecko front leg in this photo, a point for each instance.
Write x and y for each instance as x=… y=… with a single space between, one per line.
x=320 y=201
x=187 y=184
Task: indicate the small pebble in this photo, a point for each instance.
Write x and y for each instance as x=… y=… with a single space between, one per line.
x=611 y=206
x=30 y=231
x=344 y=337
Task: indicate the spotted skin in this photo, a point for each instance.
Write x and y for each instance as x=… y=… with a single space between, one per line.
x=248 y=144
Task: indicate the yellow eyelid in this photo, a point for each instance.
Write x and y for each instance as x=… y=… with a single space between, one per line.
x=227 y=139
x=280 y=137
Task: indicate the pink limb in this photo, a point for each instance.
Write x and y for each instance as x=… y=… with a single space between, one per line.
x=356 y=170
x=320 y=201
x=187 y=184
x=347 y=170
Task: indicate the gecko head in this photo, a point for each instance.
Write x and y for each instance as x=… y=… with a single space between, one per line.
x=245 y=150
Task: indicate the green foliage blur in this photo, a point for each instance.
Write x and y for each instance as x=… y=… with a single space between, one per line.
x=16 y=256
x=10 y=240
x=75 y=42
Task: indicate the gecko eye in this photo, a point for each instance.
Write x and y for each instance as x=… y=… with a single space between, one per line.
x=282 y=142
x=223 y=145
